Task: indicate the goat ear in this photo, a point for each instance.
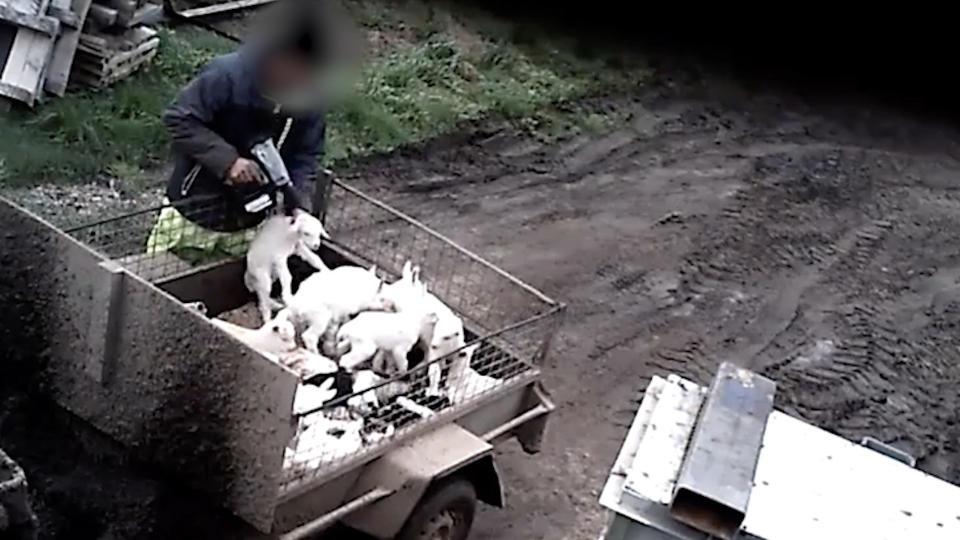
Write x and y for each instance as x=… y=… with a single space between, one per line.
x=416 y=273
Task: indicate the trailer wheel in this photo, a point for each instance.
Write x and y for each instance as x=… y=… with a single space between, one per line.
x=445 y=512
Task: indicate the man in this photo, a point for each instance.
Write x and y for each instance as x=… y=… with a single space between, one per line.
x=237 y=101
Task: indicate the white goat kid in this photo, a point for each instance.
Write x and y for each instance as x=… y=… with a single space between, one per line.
x=274 y=338
x=307 y=364
x=278 y=239
x=311 y=397
x=327 y=299
x=371 y=393
x=395 y=334
x=448 y=334
x=468 y=382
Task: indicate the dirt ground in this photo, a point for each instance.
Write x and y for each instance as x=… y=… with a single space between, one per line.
x=811 y=239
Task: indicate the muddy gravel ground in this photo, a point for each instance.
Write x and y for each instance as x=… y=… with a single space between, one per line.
x=812 y=239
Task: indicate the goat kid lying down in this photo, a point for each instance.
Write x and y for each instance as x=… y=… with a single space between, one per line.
x=326 y=300
x=319 y=390
x=279 y=239
x=273 y=339
x=365 y=388
x=468 y=382
x=307 y=364
x=324 y=438
x=337 y=432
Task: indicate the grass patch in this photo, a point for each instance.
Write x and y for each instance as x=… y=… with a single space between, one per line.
x=88 y=132
x=423 y=90
x=427 y=82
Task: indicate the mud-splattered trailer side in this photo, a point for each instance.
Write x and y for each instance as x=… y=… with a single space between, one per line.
x=101 y=324
x=137 y=364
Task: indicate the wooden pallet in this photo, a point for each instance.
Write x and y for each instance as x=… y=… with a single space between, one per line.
x=58 y=72
x=121 y=14
x=103 y=60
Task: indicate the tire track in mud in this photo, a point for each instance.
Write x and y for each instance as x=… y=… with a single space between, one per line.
x=877 y=377
x=793 y=250
x=769 y=239
x=810 y=261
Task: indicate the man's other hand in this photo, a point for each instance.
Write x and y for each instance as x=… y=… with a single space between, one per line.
x=244 y=171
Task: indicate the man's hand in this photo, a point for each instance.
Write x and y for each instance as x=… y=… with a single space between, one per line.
x=244 y=171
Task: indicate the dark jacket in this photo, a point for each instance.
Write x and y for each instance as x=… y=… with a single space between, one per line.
x=217 y=118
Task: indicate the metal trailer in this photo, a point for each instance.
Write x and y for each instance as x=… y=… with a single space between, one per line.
x=101 y=319
x=701 y=463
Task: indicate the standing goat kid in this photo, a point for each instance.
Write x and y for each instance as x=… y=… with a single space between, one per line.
x=325 y=300
x=393 y=334
x=278 y=239
x=448 y=335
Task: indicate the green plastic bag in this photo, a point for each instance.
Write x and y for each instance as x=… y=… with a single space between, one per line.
x=176 y=234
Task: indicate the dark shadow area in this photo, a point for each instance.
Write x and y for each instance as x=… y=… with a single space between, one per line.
x=893 y=59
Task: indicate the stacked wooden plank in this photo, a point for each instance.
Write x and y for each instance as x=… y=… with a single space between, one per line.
x=104 y=59
x=58 y=72
x=27 y=37
x=45 y=43
x=114 y=43
x=111 y=16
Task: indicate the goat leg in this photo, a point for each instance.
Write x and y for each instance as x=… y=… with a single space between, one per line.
x=399 y=355
x=310 y=257
x=433 y=376
x=317 y=324
x=359 y=353
x=286 y=283
x=261 y=287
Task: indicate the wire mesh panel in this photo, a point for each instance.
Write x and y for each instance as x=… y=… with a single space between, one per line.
x=169 y=239
x=486 y=296
x=345 y=418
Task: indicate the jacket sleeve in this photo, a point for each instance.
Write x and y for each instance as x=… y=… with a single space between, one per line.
x=305 y=150
x=190 y=114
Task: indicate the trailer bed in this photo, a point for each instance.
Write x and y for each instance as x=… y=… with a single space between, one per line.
x=511 y=323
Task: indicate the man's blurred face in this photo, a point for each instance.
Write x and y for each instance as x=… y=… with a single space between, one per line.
x=287 y=73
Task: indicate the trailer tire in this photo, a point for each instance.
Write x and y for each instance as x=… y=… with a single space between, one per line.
x=444 y=513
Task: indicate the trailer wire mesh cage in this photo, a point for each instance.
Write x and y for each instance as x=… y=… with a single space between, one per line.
x=508 y=325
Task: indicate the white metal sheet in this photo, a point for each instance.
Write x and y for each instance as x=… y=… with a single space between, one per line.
x=610 y=497
x=813 y=484
x=652 y=517
x=657 y=462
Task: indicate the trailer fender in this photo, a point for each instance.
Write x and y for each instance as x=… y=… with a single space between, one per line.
x=411 y=468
